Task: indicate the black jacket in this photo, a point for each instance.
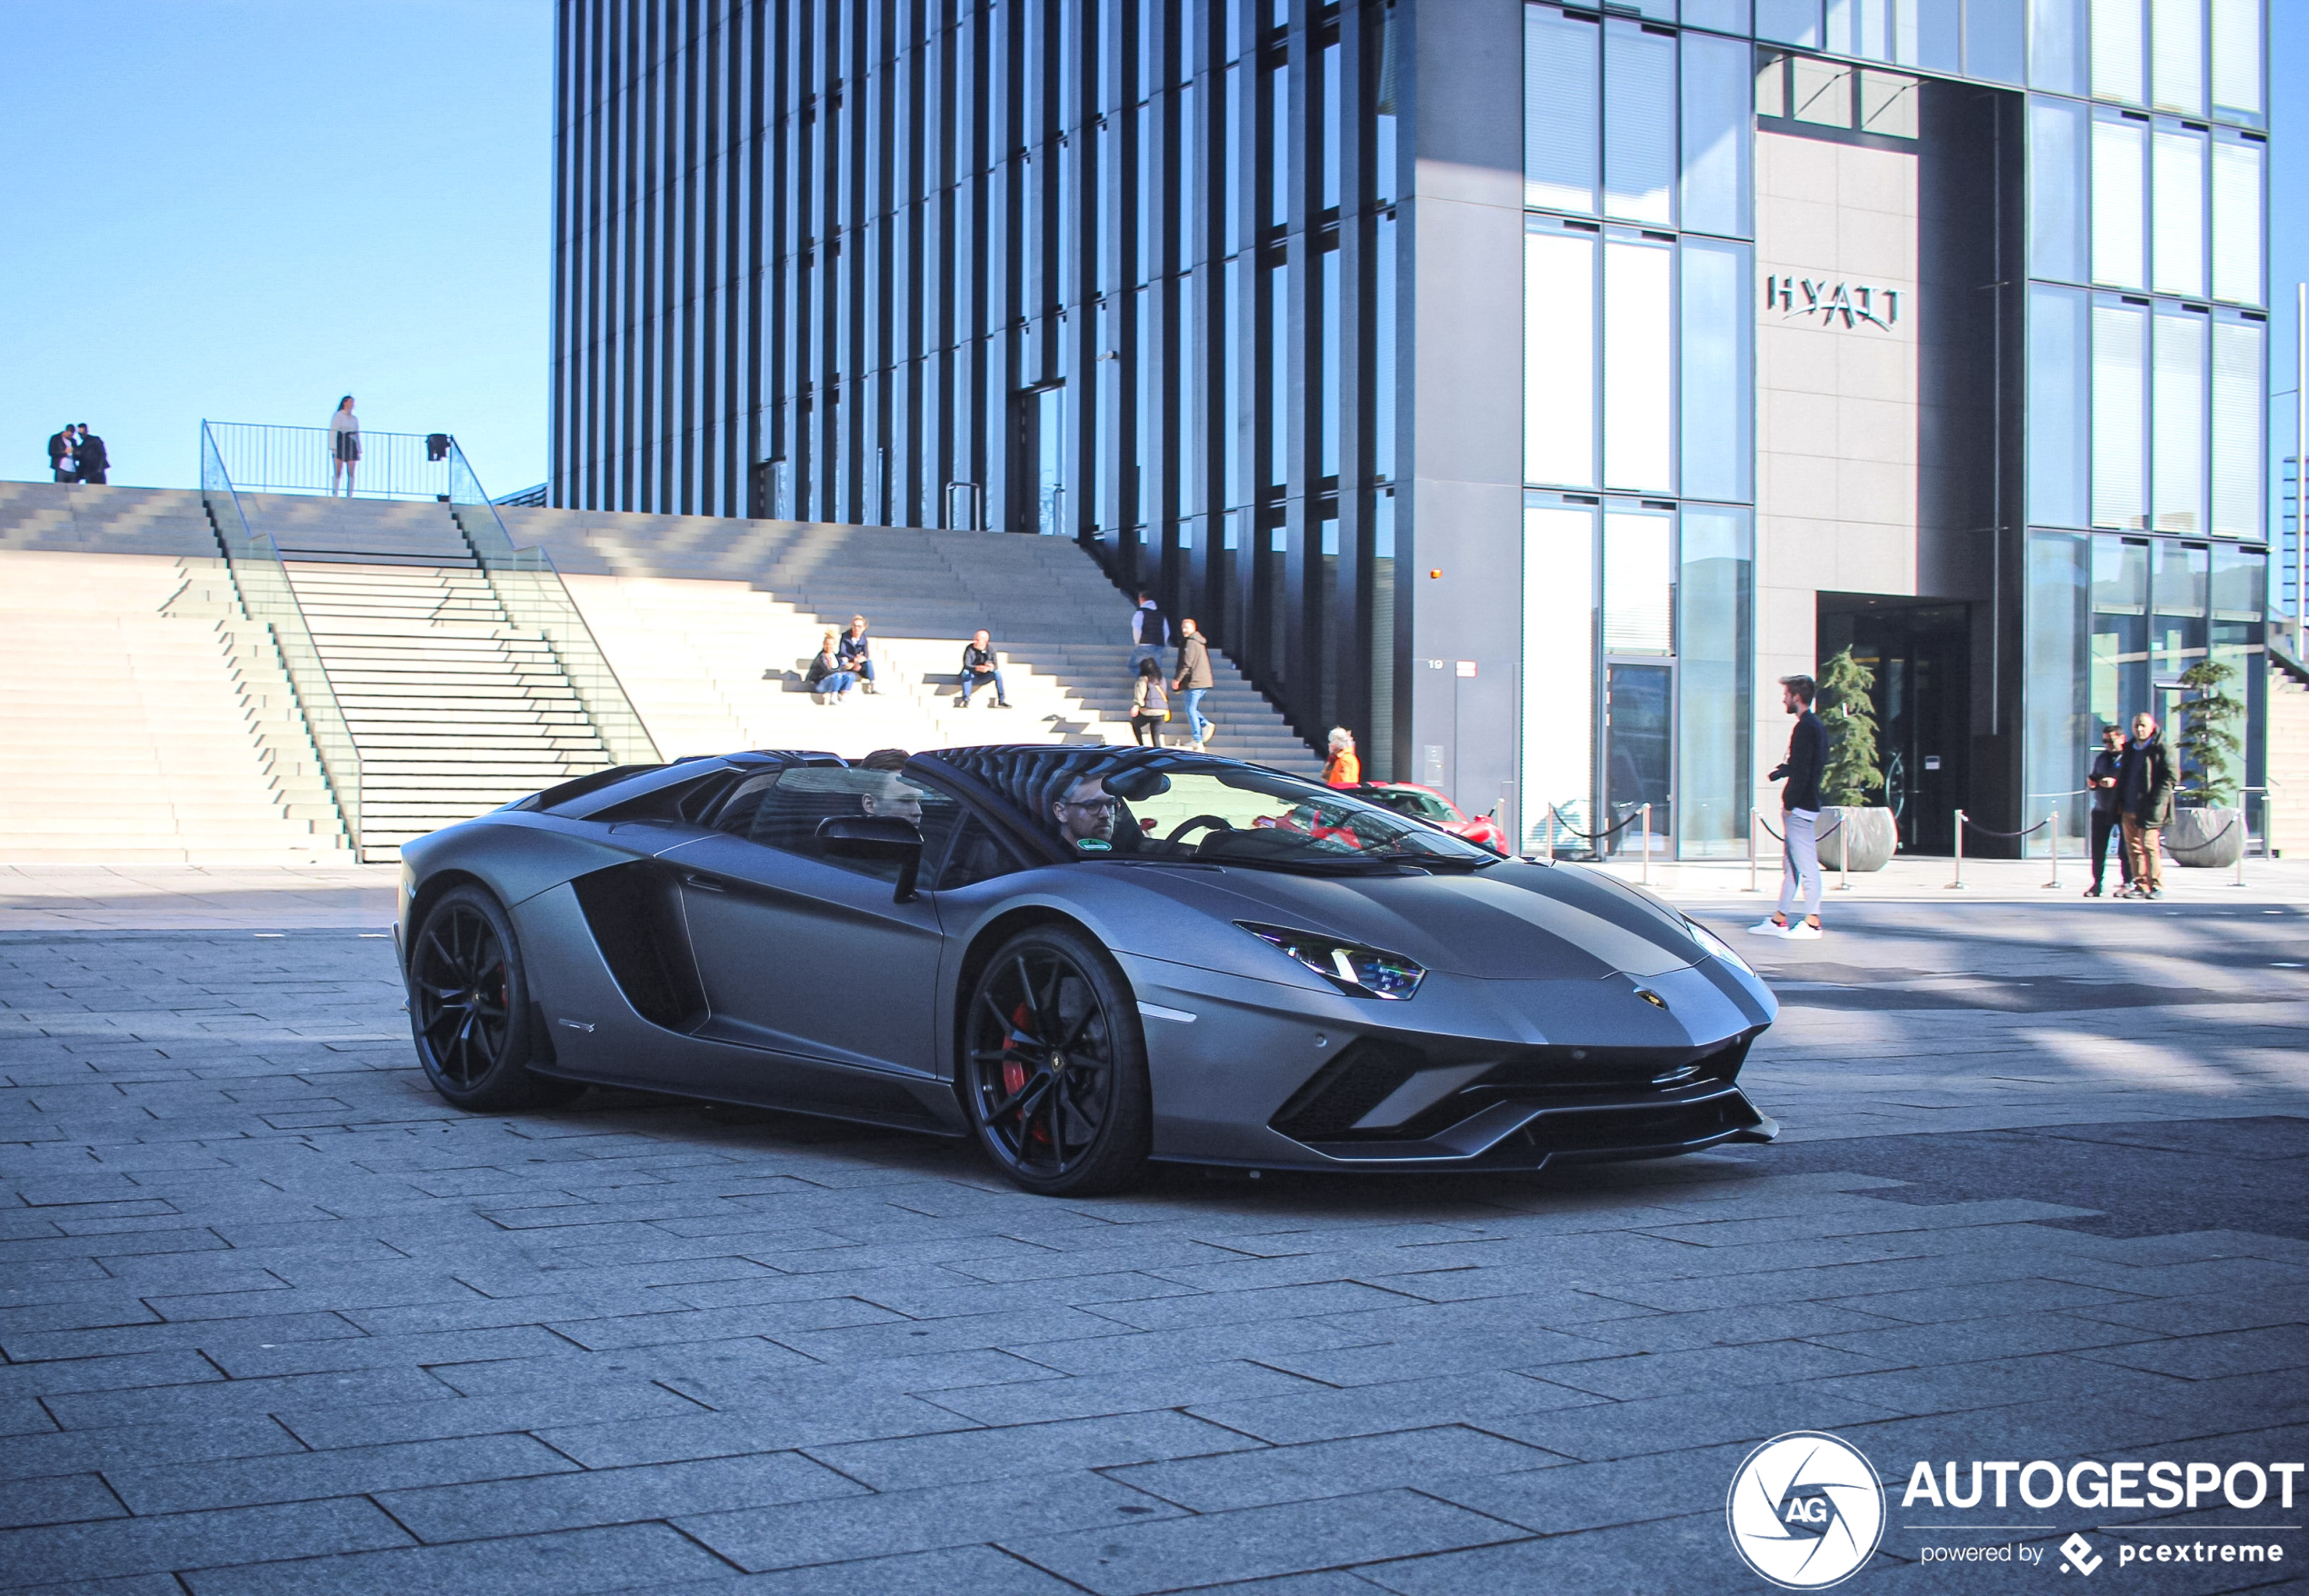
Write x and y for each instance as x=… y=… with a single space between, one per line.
x=2145 y=785
x=92 y=460
x=59 y=450
x=2106 y=767
x=1808 y=757
x=976 y=661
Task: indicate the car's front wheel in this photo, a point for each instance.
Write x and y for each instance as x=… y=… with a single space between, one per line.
x=1053 y=1068
x=469 y=1007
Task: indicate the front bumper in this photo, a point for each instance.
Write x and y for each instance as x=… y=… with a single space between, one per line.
x=1488 y=1074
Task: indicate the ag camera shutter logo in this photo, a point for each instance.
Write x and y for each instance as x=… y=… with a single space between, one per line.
x=1805 y=1511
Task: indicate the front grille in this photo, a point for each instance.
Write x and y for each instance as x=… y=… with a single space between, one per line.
x=1347 y=1088
x=1635 y=1129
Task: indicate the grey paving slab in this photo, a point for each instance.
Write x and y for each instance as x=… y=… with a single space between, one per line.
x=1170 y=1554
x=258 y=1281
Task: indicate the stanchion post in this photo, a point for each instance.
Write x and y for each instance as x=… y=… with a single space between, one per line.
x=1647 y=877
x=2053 y=820
x=1752 y=818
x=1957 y=885
x=1843 y=856
x=1551 y=833
x=2244 y=844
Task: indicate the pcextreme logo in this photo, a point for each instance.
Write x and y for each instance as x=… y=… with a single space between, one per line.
x=1805 y=1511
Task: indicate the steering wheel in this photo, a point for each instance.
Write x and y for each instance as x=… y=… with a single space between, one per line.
x=1217 y=822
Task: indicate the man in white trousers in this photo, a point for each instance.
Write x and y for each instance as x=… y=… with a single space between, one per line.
x=1799 y=814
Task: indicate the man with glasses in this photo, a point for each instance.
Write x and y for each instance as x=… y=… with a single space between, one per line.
x=2108 y=765
x=1085 y=817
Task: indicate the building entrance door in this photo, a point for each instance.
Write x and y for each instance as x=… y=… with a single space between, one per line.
x=1921 y=653
x=1638 y=763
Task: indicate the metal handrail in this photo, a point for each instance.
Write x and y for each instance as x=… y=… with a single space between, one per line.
x=529 y=588
x=265 y=459
x=260 y=579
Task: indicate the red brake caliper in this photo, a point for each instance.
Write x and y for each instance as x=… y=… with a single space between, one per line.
x=1014 y=1068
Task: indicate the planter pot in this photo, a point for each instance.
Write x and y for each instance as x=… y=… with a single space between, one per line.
x=1868 y=834
x=2206 y=838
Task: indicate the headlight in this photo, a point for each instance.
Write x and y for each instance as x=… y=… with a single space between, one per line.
x=1715 y=944
x=1352 y=968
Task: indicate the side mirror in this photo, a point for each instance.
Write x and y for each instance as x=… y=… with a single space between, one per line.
x=876 y=837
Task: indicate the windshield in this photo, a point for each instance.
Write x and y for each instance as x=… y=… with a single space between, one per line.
x=1139 y=804
x=1419 y=805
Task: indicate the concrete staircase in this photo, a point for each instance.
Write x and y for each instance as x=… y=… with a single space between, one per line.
x=147 y=723
x=453 y=710
x=1052 y=611
x=83 y=518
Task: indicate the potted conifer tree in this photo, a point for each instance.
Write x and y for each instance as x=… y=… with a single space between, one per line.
x=2207 y=829
x=1853 y=832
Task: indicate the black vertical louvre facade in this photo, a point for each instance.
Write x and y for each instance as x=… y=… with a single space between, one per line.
x=1103 y=269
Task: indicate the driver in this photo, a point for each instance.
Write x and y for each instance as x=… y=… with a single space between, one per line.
x=1085 y=817
x=894 y=800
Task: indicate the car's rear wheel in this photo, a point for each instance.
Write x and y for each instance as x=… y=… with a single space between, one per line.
x=469 y=1007
x=1054 y=1066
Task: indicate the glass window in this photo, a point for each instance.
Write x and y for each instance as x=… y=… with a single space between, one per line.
x=1563 y=109
x=2176 y=475
x=2239 y=580
x=1559 y=357
x=1819 y=91
x=2057 y=184
x=1279 y=146
x=1772 y=87
x=2178 y=578
x=1235 y=442
x=2120 y=662
x=2236 y=219
x=1559 y=672
x=1718 y=329
x=1383 y=354
x=2238 y=446
x=2120 y=423
x=2059 y=472
x=2118 y=74
x=2120 y=187
x=2059 y=731
x=1889 y=103
x=2236 y=58
x=1719 y=137
x=1724 y=16
x=1639 y=123
x=1237 y=124
x=1712 y=717
x=1331 y=148
x=2056 y=49
x=1928 y=34
x=1332 y=379
x=1789 y=22
x=1639 y=583
x=2176 y=56
x=1278 y=372
x=2177 y=247
x=976 y=854
x=1994 y=40
x=1639 y=424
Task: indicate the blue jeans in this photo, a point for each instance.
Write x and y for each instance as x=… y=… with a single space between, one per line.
x=972 y=682
x=838 y=683
x=1194 y=719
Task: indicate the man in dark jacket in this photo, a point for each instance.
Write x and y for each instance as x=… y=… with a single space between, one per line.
x=980 y=668
x=89 y=460
x=2144 y=789
x=1799 y=814
x=2101 y=782
x=60 y=446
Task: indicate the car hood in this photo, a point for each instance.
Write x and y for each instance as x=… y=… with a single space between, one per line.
x=1510 y=922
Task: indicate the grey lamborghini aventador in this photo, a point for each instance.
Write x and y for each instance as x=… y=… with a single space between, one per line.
x=1082 y=958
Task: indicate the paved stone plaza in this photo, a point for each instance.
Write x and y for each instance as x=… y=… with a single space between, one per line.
x=277 y=1319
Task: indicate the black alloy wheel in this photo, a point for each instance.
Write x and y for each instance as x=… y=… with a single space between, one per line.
x=469 y=1007
x=1054 y=1069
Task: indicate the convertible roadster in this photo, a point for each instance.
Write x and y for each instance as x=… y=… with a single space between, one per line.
x=1082 y=958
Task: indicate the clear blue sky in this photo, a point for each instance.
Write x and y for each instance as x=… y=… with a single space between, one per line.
x=242 y=209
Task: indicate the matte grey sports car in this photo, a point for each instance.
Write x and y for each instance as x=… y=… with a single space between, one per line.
x=1083 y=958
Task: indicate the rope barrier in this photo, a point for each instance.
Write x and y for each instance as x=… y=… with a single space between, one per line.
x=1817 y=836
x=1985 y=832
x=1595 y=837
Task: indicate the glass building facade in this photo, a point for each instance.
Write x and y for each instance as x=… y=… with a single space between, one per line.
x=1438 y=356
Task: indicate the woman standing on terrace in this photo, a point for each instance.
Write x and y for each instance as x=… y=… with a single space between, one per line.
x=344 y=445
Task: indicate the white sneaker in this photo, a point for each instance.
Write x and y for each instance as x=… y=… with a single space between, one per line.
x=1802 y=930
x=1767 y=926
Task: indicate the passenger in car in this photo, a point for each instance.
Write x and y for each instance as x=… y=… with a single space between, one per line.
x=1085 y=817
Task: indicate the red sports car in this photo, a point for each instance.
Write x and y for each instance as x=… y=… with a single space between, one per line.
x=1425 y=803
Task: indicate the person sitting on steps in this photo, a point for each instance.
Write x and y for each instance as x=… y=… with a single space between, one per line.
x=979 y=668
x=827 y=675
